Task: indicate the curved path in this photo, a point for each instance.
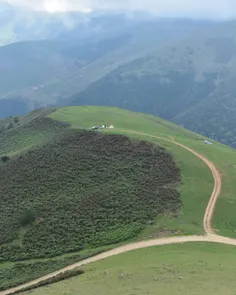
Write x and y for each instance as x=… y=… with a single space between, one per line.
x=216 y=175
x=209 y=237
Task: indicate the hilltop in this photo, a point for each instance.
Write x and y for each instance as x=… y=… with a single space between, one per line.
x=68 y=190
x=63 y=179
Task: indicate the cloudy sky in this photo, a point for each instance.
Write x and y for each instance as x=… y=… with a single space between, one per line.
x=211 y=8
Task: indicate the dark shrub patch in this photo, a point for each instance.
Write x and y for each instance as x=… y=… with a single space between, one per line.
x=87 y=189
x=28 y=217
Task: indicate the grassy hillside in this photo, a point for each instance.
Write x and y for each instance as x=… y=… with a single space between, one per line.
x=46 y=199
x=176 y=269
x=223 y=157
x=52 y=159
x=190 y=82
x=28 y=133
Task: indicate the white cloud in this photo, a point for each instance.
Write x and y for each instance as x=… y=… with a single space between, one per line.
x=210 y=8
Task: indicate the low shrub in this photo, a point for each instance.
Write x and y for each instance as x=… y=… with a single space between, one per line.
x=87 y=189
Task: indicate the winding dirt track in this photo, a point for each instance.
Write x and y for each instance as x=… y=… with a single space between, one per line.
x=208 y=237
x=216 y=175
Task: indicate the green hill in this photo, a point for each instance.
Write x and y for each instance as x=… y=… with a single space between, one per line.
x=21 y=133
x=223 y=156
x=69 y=193
x=87 y=190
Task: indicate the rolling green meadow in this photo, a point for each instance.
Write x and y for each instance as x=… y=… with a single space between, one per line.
x=200 y=185
x=52 y=139
x=70 y=192
x=191 y=269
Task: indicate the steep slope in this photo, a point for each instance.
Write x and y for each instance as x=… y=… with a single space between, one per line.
x=29 y=64
x=65 y=190
x=214 y=118
x=43 y=73
x=59 y=160
x=190 y=82
x=19 y=138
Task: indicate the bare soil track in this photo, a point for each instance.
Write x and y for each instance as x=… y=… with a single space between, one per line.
x=210 y=236
x=216 y=175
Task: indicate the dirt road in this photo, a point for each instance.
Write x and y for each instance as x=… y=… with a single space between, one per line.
x=216 y=175
x=209 y=237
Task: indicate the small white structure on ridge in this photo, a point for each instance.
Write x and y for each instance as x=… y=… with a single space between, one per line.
x=207 y=142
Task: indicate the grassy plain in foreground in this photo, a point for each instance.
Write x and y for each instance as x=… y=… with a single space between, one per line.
x=192 y=268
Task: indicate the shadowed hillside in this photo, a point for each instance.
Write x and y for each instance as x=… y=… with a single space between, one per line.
x=190 y=82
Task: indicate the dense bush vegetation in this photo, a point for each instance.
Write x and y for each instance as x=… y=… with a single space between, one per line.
x=4 y=159
x=28 y=217
x=21 y=273
x=86 y=189
x=58 y=278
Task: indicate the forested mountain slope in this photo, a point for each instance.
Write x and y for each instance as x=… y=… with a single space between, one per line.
x=190 y=83
x=39 y=73
x=181 y=70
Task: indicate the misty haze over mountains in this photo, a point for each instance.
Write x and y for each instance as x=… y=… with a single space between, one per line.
x=170 y=8
x=182 y=69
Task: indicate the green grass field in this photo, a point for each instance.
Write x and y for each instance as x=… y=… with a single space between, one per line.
x=33 y=131
x=196 y=189
x=192 y=269
x=197 y=183
x=197 y=180
x=33 y=134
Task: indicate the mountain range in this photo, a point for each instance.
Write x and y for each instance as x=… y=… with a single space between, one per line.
x=81 y=174
x=182 y=70
x=190 y=82
x=45 y=72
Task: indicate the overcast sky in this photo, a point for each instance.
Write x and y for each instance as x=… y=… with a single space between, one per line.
x=211 y=8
